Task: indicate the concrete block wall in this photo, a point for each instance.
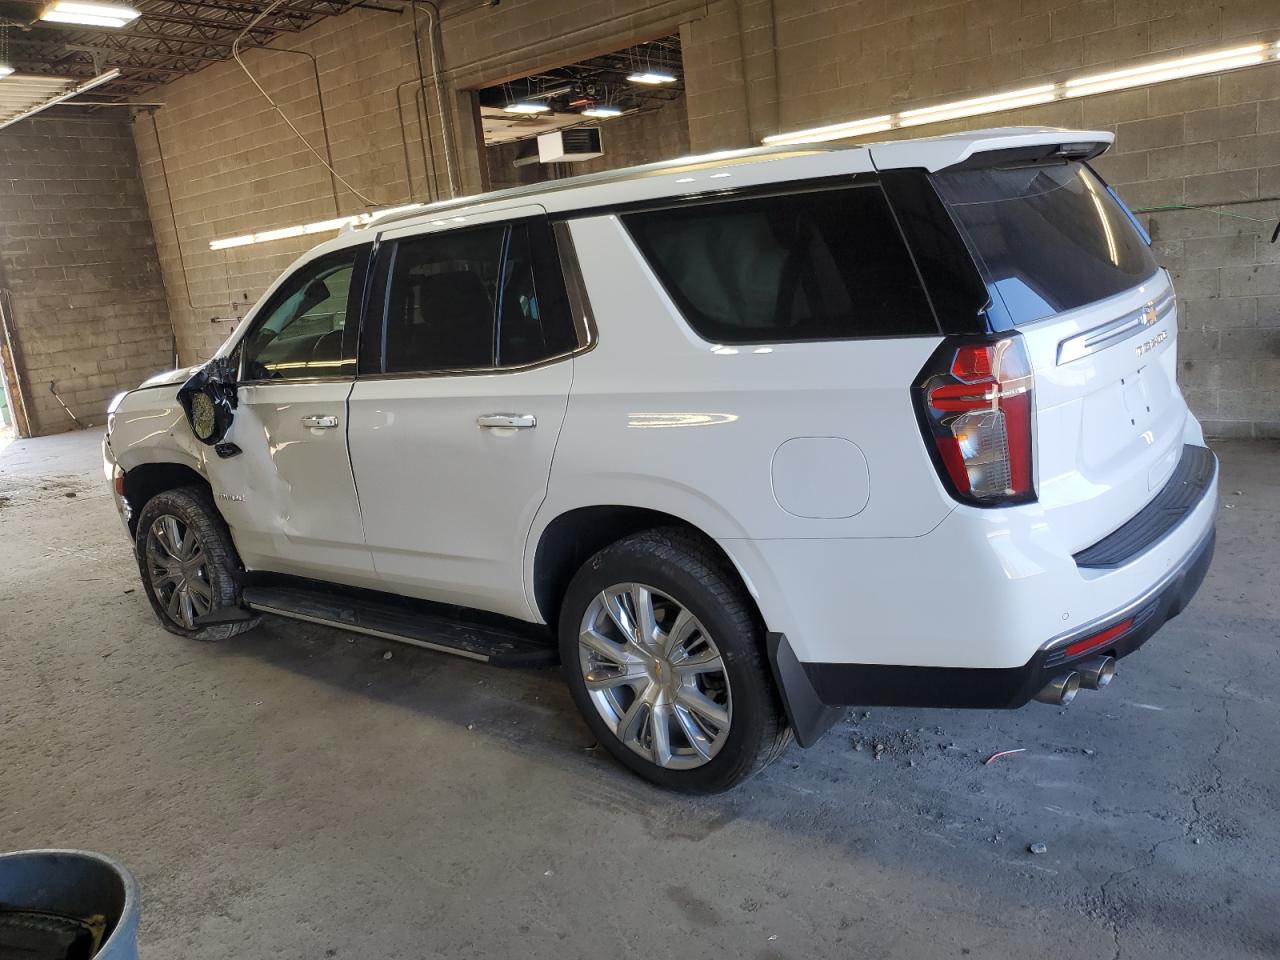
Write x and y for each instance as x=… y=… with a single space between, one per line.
x=753 y=67
x=1212 y=143
x=233 y=166
x=87 y=304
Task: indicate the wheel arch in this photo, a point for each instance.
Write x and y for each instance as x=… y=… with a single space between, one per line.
x=573 y=536
x=145 y=480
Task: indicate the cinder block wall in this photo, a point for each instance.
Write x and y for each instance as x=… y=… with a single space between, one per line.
x=87 y=303
x=1211 y=143
x=753 y=67
x=234 y=167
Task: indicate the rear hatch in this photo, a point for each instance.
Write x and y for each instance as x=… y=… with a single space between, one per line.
x=1068 y=268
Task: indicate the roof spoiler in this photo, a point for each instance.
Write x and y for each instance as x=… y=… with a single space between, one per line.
x=996 y=148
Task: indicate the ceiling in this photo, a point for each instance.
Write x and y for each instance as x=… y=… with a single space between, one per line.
x=597 y=81
x=170 y=39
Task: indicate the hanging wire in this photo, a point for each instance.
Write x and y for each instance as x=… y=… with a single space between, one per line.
x=235 y=52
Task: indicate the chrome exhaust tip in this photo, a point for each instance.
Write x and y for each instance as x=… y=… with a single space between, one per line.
x=1061 y=690
x=1096 y=672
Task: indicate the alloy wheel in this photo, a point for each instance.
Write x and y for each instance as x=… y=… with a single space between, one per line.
x=655 y=675
x=178 y=570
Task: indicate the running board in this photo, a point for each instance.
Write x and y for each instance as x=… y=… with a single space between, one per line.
x=488 y=644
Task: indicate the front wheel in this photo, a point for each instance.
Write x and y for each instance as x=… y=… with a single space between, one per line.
x=188 y=563
x=663 y=654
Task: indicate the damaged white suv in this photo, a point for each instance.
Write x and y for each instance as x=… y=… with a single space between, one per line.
x=738 y=440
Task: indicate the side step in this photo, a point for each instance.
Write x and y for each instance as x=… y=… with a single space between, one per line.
x=487 y=643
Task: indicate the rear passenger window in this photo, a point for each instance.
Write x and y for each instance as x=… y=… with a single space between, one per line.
x=823 y=265
x=441 y=299
x=472 y=299
x=533 y=322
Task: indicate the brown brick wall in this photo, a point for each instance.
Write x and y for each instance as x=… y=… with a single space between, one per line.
x=79 y=262
x=1203 y=141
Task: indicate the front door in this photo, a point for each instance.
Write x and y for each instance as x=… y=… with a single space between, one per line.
x=462 y=393
x=288 y=495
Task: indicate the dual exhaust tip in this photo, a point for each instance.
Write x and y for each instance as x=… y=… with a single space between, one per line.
x=1092 y=674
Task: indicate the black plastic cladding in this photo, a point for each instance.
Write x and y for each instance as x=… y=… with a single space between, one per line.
x=951 y=277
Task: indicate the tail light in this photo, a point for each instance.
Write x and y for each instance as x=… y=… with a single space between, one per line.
x=975 y=402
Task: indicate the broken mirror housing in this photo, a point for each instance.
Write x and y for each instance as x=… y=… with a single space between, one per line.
x=209 y=400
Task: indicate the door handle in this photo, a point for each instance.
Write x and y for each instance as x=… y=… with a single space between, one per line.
x=320 y=422
x=518 y=421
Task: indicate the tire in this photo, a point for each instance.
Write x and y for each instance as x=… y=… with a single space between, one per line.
x=722 y=717
x=212 y=563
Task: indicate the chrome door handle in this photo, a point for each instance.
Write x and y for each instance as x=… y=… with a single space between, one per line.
x=518 y=421
x=319 y=422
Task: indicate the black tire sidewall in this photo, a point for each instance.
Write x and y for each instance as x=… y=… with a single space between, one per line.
x=703 y=589
x=196 y=510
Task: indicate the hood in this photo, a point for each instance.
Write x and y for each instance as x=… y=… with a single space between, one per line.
x=177 y=377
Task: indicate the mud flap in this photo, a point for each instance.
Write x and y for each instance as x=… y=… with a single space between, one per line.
x=810 y=718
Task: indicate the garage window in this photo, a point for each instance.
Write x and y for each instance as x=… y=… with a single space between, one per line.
x=821 y=265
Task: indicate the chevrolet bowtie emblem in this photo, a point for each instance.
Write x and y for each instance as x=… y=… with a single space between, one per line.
x=1149 y=315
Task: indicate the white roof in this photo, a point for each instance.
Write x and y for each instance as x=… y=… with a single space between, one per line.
x=739 y=168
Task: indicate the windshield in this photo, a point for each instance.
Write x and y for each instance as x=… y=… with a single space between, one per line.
x=1048 y=238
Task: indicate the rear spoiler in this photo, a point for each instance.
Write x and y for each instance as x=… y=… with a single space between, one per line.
x=995 y=148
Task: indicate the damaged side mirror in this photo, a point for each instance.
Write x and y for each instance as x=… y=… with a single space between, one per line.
x=209 y=399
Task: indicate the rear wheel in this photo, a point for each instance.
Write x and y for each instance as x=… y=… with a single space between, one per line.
x=188 y=563
x=662 y=652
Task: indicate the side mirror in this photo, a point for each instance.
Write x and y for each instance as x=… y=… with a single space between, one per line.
x=209 y=400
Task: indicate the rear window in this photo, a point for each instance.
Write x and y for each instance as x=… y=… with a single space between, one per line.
x=1048 y=238
x=825 y=265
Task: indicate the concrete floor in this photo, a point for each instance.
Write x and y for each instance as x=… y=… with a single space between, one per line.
x=292 y=793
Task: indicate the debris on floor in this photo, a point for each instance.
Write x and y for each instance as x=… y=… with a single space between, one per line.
x=1003 y=753
x=1039 y=847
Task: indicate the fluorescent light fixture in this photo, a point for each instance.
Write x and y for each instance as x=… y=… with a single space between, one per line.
x=651 y=77
x=1191 y=66
x=684 y=179
x=5 y=70
x=833 y=131
x=320 y=226
x=526 y=106
x=89 y=14
x=1167 y=70
x=602 y=111
x=977 y=106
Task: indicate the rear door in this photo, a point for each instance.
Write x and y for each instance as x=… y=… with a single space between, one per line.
x=1067 y=268
x=465 y=372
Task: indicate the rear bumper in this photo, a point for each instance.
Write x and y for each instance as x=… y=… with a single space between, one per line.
x=815 y=692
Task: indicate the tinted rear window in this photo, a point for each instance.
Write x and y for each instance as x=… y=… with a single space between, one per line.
x=1048 y=238
x=826 y=265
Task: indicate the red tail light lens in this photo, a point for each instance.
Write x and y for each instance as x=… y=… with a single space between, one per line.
x=976 y=402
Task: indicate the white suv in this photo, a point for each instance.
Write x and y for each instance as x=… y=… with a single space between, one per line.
x=738 y=439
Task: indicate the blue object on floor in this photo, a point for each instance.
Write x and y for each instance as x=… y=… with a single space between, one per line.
x=68 y=904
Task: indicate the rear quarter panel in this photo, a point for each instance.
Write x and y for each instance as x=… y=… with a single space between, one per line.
x=662 y=419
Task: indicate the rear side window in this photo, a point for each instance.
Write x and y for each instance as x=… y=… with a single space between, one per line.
x=1048 y=238
x=823 y=265
x=440 y=301
x=469 y=299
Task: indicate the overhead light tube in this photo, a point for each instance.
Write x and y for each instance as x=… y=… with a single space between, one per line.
x=651 y=77
x=89 y=14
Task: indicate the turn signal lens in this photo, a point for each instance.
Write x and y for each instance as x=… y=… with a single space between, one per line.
x=976 y=402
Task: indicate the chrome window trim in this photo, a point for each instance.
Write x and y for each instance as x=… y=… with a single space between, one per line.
x=1123 y=327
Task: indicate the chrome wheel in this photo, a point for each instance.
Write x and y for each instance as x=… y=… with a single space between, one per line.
x=178 y=570
x=655 y=675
